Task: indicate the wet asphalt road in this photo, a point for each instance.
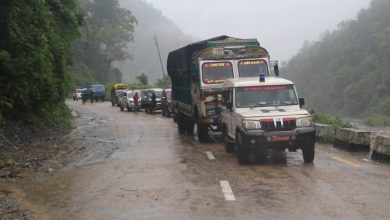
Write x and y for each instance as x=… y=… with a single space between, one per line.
x=128 y=166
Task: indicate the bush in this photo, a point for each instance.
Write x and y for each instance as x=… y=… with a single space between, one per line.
x=377 y=120
x=329 y=120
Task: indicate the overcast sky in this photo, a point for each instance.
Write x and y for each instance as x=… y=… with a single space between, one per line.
x=281 y=26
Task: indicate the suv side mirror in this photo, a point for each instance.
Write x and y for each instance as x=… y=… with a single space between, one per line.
x=301 y=102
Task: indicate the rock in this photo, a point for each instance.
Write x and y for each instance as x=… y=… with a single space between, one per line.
x=4 y=173
x=323 y=130
x=352 y=139
x=74 y=114
x=381 y=149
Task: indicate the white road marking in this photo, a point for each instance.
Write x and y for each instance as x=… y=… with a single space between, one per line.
x=227 y=190
x=365 y=159
x=210 y=155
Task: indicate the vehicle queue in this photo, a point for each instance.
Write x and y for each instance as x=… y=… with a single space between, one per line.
x=150 y=100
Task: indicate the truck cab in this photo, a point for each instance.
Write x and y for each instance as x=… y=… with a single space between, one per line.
x=262 y=114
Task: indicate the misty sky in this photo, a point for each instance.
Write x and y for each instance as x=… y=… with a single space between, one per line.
x=280 y=25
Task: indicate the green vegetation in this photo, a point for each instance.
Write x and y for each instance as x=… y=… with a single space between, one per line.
x=329 y=120
x=35 y=51
x=381 y=120
x=347 y=73
x=143 y=79
x=105 y=34
x=161 y=83
x=4 y=157
x=46 y=47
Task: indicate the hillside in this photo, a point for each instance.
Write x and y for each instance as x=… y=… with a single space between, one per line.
x=347 y=73
x=143 y=51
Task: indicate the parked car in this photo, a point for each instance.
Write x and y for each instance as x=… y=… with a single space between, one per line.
x=126 y=100
x=166 y=102
x=146 y=99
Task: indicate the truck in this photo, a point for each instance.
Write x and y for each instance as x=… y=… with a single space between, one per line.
x=197 y=73
x=261 y=114
x=99 y=91
x=117 y=90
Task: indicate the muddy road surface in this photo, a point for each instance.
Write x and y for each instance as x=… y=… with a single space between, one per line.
x=124 y=165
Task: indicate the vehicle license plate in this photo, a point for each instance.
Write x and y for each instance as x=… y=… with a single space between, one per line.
x=280 y=138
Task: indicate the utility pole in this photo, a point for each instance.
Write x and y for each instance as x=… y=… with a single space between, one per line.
x=159 y=55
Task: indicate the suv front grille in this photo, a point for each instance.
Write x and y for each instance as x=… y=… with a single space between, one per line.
x=286 y=124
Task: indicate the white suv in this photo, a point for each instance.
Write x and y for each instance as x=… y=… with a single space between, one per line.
x=258 y=116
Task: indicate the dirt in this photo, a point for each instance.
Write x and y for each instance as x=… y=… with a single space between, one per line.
x=27 y=152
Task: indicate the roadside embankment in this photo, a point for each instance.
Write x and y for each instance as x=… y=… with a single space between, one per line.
x=361 y=138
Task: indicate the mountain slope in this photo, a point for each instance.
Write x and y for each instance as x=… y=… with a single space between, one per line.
x=145 y=57
x=348 y=72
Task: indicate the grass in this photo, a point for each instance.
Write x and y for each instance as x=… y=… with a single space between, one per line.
x=377 y=120
x=329 y=120
x=4 y=157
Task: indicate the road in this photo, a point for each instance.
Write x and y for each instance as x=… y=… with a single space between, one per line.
x=136 y=166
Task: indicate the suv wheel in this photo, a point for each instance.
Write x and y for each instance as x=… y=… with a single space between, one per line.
x=229 y=146
x=203 y=132
x=242 y=153
x=308 y=152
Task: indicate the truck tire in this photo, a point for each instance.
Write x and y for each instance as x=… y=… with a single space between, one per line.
x=120 y=106
x=189 y=126
x=180 y=123
x=241 y=151
x=229 y=146
x=203 y=132
x=308 y=152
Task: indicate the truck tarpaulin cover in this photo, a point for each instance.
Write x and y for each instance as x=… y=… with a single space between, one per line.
x=179 y=61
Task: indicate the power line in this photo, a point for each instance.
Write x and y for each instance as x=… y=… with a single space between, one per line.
x=195 y=13
x=187 y=16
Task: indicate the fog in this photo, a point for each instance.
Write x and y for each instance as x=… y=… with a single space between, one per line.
x=280 y=25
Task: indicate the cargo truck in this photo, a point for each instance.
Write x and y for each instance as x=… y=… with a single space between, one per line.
x=197 y=73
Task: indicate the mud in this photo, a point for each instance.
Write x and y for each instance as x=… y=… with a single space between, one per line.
x=119 y=165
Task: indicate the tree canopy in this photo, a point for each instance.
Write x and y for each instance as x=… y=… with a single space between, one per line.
x=348 y=72
x=35 y=51
x=105 y=34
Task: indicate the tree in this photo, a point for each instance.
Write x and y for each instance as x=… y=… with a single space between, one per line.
x=35 y=52
x=347 y=71
x=106 y=33
x=161 y=83
x=143 y=79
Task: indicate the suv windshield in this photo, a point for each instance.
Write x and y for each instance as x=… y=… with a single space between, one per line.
x=265 y=96
x=216 y=72
x=252 y=68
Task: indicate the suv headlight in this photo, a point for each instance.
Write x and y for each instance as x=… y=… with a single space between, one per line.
x=251 y=125
x=304 y=122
